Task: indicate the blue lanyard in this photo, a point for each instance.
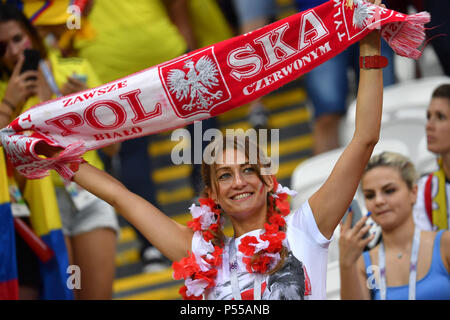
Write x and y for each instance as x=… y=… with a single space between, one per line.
x=49 y=78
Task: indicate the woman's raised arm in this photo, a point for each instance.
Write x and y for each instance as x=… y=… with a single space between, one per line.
x=168 y=236
x=331 y=201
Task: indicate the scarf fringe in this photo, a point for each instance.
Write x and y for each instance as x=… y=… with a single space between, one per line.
x=66 y=164
x=69 y=159
x=411 y=36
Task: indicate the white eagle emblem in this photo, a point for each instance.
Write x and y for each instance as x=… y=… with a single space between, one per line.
x=363 y=14
x=196 y=85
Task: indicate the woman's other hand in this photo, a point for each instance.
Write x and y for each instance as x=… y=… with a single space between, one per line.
x=73 y=85
x=21 y=86
x=371 y=44
x=352 y=241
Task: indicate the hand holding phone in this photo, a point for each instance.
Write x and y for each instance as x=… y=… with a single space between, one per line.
x=23 y=81
x=354 y=235
x=356 y=213
x=32 y=58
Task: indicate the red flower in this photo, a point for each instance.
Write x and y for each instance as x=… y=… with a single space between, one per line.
x=283 y=206
x=210 y=203
x=270 y=228
x=183 y=293
x=207 y=235
x=214 y=227
x=278 y=220
x=245 y=246
x=275 y=184
x=275 y=241
x=217 y=257
x=248 y=262
x=271 y=209
x=185 y=268
x=209 y=276
x=282 y=196
x=195 y=224
x=261 y=264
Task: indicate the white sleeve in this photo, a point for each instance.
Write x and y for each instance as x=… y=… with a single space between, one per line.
x=303 y=219
x=310 y=246
x=419 y=212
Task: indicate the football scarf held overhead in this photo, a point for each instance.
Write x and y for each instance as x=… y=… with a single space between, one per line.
x=201 y=84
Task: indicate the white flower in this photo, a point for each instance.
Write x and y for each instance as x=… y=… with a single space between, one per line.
x=261 y=245
x=195 y=287
x=363 y=14
x=203 y=249
x=281 y=189
x=207 y=217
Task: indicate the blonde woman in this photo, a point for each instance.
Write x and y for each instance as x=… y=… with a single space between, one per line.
x=408 y=263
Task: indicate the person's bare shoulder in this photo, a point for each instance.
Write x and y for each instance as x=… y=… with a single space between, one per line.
x=445 y=249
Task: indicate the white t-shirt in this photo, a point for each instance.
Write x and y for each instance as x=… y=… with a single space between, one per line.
x=306 y=263
x=419 y=211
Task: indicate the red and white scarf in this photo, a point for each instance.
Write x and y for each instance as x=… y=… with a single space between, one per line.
x=201 y=84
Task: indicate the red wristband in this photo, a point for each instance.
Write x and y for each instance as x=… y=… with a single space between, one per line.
x=373 y=62
x=74 y=166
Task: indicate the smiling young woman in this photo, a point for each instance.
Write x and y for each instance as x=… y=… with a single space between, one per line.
x=274 y=253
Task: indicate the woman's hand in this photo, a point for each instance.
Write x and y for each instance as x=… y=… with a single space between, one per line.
x=370 y=45
x=21 y=86
x=73 y=85
x=351 y=241
x=44 y=149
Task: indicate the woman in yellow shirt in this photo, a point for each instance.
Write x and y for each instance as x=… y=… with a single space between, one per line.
x=90 y=231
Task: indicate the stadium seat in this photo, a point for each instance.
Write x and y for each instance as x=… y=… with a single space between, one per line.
x=404 y=112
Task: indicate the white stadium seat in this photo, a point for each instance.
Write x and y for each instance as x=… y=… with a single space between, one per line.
x=404 y=112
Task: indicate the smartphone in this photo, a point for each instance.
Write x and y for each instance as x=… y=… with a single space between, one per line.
x=357 y=215
x=32 y=58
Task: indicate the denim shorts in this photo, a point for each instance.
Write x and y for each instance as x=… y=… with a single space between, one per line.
x=248 y=10
x=98 y=214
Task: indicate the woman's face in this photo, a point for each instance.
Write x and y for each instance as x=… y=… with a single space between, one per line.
x=237 y=187
x=13 y=41
x=388 y=197
x=438 y=125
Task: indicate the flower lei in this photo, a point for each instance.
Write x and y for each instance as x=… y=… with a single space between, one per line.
x=200 y=271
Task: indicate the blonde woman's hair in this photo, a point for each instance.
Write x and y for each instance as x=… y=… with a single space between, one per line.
x=397 y=161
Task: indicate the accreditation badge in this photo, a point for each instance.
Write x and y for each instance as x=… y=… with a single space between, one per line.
x=80 y=197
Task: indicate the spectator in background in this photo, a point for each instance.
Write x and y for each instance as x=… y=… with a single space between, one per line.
x=252 y=15
x=432 y=209
x=134 y=35
x=60 y=23
x=328 y=89
x=90 y=226
x=408 y=263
